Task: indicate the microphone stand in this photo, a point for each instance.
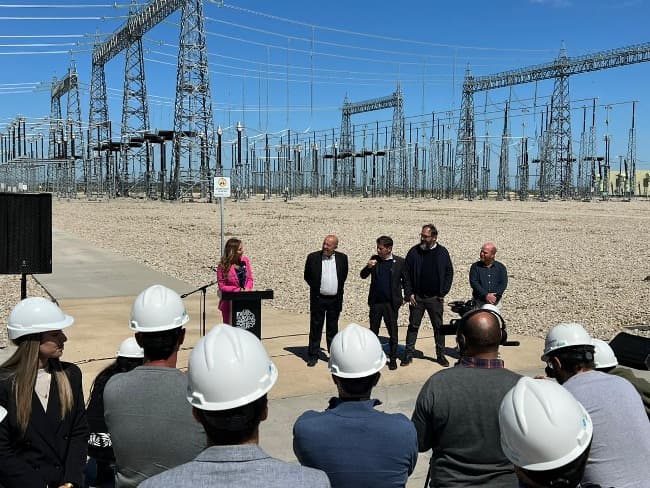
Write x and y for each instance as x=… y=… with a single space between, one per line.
x=202 y=289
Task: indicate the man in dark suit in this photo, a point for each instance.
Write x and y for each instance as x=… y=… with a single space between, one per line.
x=389 y=285
x=325 y=273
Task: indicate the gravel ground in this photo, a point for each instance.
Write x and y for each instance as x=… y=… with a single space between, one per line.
x=567 y=261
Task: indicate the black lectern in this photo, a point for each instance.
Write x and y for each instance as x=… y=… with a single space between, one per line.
x=246 y=309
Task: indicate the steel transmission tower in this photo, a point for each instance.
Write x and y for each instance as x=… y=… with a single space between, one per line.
x=135 y=112
x=397 y=154
x=504 y=159
x=631 y=156
x=193 y=116
x=98 y=134
x=466 y=144
x=560 y=166
x=560 y=69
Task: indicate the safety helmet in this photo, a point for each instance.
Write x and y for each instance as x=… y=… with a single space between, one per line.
x=356 y=352
x=34 y=315
x=604 y=356
x=229 y=368
x=565 y=335
x=130 y=349
x=156 y=309
x=543 y=427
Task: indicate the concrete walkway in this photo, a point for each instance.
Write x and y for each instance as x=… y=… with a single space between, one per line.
x=98 y=287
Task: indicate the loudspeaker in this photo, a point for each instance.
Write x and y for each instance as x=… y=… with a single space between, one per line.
x=631 y=350
x=25 y=233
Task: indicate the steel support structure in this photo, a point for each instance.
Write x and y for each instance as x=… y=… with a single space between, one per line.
x=503 y=187
x=631 y=157
x=99 y=143
x=135 y=118
x=193 y=117
x=397 y=153
x=554 y=171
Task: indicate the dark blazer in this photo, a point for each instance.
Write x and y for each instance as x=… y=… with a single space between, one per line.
x=400 y=283
x=314 y=270
x=53 y=450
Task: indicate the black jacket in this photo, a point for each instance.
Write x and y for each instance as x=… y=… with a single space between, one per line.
x=400 y=284
x=53 y=450
x=445 y=270
x=314 y=271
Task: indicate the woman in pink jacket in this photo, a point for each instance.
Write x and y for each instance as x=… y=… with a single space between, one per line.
x=234 y=273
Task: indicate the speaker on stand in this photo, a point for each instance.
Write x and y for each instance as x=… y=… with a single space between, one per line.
x=25 y=235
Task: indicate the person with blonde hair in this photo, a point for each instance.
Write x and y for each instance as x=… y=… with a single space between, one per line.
x=234 y=273
x=43 y=440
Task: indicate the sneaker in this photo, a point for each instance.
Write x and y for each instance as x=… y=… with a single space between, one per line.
x=406 y=361
x=392 y=364
x=311 y=362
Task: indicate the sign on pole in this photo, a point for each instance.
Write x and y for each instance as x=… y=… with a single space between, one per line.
x=221 y=187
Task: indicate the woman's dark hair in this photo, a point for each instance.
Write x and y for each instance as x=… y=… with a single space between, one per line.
x=120 y=365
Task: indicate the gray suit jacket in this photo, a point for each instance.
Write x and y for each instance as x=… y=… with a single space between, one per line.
x=238 y=466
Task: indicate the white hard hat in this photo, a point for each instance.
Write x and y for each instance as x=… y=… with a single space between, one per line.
x=495 y=311
x=565 y=335
x=130 y=349
x=542 y=425
x=604 y=356
x=228 y=368
x=356 y=352
x=36 y=314
x=156 y=309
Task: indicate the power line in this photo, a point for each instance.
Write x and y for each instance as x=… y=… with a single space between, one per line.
x=374 y=36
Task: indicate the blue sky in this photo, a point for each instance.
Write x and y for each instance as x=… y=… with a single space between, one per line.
x=289 y=65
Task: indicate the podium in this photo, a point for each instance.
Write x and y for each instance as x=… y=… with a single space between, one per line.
x=246 y=309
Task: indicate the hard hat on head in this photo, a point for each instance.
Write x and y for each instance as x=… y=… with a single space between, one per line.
x=543 y=427
x=229 y=368
x=34 y=315
x=130 y=349
x=604 y=356
x=156 y=309
x=565 y=335
x=356 y=352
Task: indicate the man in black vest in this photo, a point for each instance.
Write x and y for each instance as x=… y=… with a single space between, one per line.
x=390 y=288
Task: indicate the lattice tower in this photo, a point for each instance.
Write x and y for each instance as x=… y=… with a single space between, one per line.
x=503 y=176
x=561 y=156
x=466 y=143
x=562 y=67
x=135 y=112
x=193 y=116
x=631 y=155
x=98 y=133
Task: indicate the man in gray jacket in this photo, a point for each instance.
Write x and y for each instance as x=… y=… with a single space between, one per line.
x=230 y=374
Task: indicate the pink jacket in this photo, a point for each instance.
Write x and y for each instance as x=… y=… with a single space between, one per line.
x=230 y=282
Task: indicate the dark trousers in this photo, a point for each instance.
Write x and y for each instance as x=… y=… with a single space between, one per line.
x=323 y=310
x=388 y=312
x=434 y=307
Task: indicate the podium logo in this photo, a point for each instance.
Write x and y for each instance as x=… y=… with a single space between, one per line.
x=245 y=319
